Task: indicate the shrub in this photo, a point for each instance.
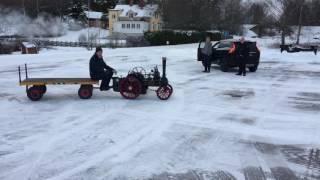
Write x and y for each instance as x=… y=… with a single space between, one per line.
x=7 y=48
x=82 y=38
x=178 y=37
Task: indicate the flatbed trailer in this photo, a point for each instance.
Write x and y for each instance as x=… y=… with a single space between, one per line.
x=136 y=83
x=57 y=81
x=291 y=48
x=37 y=87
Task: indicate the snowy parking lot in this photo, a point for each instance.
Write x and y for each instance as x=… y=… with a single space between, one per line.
x=215 y=126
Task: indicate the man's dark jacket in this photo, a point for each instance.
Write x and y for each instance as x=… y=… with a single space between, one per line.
x=98 y=67
x=242 y=52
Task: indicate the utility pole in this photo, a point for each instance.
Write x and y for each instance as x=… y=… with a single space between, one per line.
x=88 y=15
x=300 y=22
x=37 y=1
x=24 y=7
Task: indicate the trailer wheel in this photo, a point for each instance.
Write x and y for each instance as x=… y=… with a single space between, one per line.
x=164 y=92
x=43 y=89
x=130 y=87
x=34 y=93
x=85 y=91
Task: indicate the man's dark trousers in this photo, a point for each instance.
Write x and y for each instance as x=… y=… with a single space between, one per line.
x=207 y=63
x=105 y=77
x=242 y=66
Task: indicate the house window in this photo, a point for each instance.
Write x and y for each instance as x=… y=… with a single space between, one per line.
x=154 y=27
x=138 y=26
x=133 y=26
x=131 y=15
x=123 y=26
x=114 y=16
x=128 y=26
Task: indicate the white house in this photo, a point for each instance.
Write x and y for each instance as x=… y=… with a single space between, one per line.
x=134 y=19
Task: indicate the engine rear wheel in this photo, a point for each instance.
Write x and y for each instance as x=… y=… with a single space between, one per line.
x=34 y=93
x=164 y=92
x=85 y=91
x=130 y=87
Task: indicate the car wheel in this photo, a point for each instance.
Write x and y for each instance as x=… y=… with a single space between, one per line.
x=224 y=67
x=253 y=69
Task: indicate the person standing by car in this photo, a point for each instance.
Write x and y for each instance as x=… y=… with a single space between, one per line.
x=99 y=70
x=242 y=53
x=207 y=53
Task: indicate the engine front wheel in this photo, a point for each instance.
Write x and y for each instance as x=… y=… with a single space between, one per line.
x=164 y=92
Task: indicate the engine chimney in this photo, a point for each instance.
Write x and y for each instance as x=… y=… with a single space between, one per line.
x=141 y=4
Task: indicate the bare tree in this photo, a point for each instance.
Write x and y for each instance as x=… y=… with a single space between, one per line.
x=190 y=14
x=300 y=21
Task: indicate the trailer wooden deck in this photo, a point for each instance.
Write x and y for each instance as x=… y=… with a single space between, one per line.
x=57 y=81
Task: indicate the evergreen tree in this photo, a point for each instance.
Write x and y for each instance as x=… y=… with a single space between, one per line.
x=103 y=5
x=76 y=10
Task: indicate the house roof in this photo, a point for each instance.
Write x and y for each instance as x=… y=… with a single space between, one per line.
x=93 y=14
x=28 y=45
x=146 y=11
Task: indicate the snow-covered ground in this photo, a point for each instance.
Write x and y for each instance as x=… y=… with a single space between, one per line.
x=216 y=126
x=309 y=35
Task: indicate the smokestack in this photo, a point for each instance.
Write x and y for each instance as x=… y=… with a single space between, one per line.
x=141 y=4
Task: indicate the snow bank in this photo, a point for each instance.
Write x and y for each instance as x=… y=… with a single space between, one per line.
x=96 y=34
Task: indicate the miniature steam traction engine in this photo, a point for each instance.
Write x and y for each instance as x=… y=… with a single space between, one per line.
x=136 y=83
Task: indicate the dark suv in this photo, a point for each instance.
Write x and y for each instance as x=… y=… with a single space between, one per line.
x=224 y=54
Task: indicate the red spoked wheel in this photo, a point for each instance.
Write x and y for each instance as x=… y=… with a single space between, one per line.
x=130 y=87
x=164 y=92
x=43 y=88
x=34 y=93
x=85 y=91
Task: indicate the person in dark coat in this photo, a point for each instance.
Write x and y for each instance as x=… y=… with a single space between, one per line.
x=207 y=53
x=242 y=54
x=99 y=70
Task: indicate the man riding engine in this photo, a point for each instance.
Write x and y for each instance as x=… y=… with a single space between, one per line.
x=99 y=70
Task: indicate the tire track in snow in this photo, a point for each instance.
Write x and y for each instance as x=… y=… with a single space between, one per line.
x=110 y=158
x=113 y=153
x=252 y=166
x=47 y=140
x=276 y=162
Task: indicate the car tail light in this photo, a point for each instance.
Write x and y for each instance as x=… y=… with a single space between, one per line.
x=258 y=48
x=233 y=49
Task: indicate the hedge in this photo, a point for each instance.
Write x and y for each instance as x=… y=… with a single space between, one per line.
x=174 y=37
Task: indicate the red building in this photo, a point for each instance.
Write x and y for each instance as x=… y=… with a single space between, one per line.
x=97 y=19
x=29 y=48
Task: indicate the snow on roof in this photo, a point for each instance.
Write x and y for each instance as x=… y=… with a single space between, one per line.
x=93 y=14
x=28 y=45
x=146 y=11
